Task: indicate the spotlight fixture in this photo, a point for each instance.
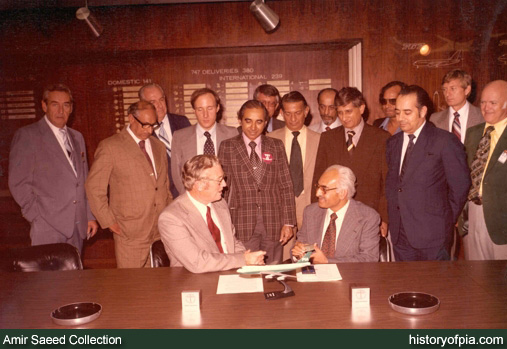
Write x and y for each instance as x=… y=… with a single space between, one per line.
x=267 y=18
x=84 y=14
x=425 y=50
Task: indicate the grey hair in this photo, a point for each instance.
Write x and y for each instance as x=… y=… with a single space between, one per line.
x=151 y=84
x=346 y=179
x=193 y=169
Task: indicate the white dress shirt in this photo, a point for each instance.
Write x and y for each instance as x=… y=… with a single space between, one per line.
x=463 y=119
x=167 y=128
x=406 y=140
x=201 y=138
x=61 y=141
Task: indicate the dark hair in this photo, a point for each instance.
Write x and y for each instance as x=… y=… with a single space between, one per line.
x=294 y=97
x=402 y=85
x=329 y=89
x=252 y=104
x=423 y=99
x=56 y=87
x=202 y=91
x=349 y=95
x=268 y=90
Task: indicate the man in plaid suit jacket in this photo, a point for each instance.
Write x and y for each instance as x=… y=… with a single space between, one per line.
x=260 y=192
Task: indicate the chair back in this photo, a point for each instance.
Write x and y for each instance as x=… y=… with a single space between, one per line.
x=59 y=256
x=158 y=255
x=384 y=250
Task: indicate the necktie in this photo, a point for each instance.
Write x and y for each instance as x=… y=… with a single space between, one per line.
x=143 y=149
x=215 y=232
x=410 y=147
x=296 y=165
x=256 y=162
x=479 y=164
x=329 y=242
x=209 y=148
x=68 y=147
x=165 y=138
x=350 y=144
x=328 y=128
x=456 y=126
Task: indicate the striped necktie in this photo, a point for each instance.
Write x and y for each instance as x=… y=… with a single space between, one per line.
x=456 y=126
x=350 y=144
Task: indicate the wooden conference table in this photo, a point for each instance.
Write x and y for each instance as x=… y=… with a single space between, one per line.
x=472 y=295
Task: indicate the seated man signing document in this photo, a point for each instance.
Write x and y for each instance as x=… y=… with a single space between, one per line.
x=339 y=228
x=196 y=228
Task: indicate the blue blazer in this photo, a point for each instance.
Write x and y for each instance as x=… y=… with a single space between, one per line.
x=434 y=189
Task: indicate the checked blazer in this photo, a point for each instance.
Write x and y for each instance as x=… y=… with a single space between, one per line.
x=274 y=196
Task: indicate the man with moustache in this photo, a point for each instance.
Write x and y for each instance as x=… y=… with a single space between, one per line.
x=387 y=100
x=328 y=111
x=260 y=192
x=128 y=186
x=426 y=184
x=202 y=138
x=486 y=146
x=169 y=122
x=358 y=146
x=196 y=228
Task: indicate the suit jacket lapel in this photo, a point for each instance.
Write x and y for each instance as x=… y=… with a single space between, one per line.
x=225 y=225
x=243 y=154
x=78 y=153
x=348 y=228
x=157 y=157
x=317 y=226
x=499 y=149
x=365 y=147
x=266 y=147
x=137 y=154
x=53 y=145
x=195 y=220
x=419 y=151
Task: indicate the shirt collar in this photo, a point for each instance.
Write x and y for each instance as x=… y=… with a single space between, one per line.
x=53 y=127
x=200 y=131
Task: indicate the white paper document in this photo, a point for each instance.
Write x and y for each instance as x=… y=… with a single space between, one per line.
x=323 y=272
x=239 y=284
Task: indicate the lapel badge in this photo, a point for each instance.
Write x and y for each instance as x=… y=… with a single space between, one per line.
x=267 y=158
x=503 y=157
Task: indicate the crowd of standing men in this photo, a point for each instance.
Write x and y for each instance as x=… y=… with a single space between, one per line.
x=221 y=197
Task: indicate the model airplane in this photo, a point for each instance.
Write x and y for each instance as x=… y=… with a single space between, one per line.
x=276 y=270
x=437 y=63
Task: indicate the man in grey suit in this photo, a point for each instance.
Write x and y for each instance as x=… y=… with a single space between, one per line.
x=339 y=228
x=203 y=138
x=196 y=228
x=461 y=114
x=47 y=171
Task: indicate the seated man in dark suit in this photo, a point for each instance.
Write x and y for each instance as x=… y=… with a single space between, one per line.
x=339 y=228
x=196 y=228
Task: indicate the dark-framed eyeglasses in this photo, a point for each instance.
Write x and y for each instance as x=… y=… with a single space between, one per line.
x=147 y=125
x=391 y=101
x=323 y=188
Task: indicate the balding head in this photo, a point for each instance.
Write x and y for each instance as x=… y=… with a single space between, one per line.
x=494 y=101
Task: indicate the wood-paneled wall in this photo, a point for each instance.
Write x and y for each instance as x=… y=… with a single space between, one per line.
x=39 y=46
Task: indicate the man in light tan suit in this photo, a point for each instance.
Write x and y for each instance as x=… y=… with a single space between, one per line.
x=301 y=162
x=197 y=229
x=132 y=167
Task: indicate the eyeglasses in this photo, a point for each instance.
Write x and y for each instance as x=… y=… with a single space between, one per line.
x=391 y=101
x=323 y=188
x=219 y=180
x=146 y=125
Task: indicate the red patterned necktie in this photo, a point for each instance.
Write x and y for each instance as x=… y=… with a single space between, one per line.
x=329 y=242
x=215 y=232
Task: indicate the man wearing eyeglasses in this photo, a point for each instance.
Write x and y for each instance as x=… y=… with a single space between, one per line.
x=270 y=97
x=128 y=186
x=196 y=228
x=358 y=146
x=328 y=111
x=169 y=122
x=339 y=228
x=204 y=137
x=387 y=100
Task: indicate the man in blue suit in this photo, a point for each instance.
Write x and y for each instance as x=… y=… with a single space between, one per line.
x=154 y=94
x=427 y=181
x=47 y=172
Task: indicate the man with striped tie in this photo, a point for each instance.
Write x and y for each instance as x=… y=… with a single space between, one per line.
x=358 y=146
x=486 y=147
x=460 y=116
x=169 y=123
